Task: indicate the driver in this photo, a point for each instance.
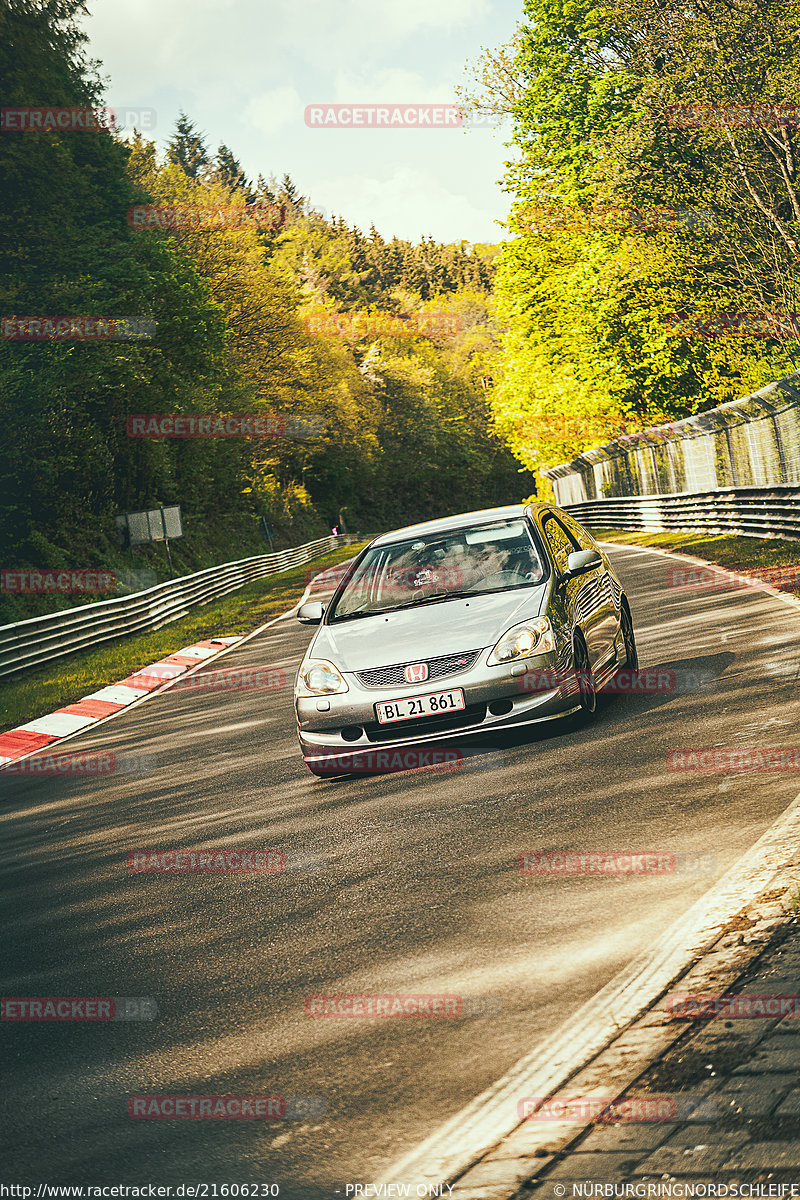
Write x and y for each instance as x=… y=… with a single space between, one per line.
x=485 y=561
x=498 y=564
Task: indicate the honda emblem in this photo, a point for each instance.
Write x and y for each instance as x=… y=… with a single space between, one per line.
x=416 y=673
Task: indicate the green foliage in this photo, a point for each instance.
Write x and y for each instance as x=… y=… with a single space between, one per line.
x=187 y=149
x=230 y=173
x=588 y=352
x=332 y=260
x=408 y=432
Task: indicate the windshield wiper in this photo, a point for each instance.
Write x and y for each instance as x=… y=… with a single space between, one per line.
x=376 y=612
x=425 y=600
x=514 y=587
x=353 y=616
x=465 y=595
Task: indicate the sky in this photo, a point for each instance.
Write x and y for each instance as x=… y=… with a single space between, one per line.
x=245 y=71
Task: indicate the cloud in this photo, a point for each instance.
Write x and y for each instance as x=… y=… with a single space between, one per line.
x=411 y=15
x=244 y=71
x=407 y=204
x=391 y=85
x=273 y=110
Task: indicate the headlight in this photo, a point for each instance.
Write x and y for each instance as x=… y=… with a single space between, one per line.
x=531 y=637
x=318 y=677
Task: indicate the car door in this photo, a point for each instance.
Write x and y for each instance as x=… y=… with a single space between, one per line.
x=608 y=583
x=585 y=596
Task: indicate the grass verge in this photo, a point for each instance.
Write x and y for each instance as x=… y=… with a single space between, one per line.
x=50 y=687
x=761 y=557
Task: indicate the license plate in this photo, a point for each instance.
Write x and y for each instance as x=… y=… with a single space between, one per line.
x=434 y=704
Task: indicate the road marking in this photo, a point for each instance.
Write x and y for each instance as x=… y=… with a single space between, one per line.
x=125 y=695
x=469 y=1135
x=492 y=1115
x=757 y=584
x=58 y=723
x=64 y=725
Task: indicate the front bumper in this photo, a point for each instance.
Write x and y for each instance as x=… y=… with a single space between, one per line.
x=506 y=688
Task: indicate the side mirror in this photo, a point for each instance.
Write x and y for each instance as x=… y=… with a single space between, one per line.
x=581 y=562
x=310 y=613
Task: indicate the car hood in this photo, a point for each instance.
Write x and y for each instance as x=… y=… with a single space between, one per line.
x=445 y=627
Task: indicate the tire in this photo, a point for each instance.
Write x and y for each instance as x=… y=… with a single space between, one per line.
x=629 y=638
x=586 y=688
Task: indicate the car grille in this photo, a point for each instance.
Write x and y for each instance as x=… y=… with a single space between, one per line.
x=446 y=664
x=396 y=731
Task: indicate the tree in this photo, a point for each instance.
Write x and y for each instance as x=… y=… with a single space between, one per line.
x=734 y=70
x=230 y=173
x=227 y=299
x=187 y=149
x=586 y=299
x=67 y=466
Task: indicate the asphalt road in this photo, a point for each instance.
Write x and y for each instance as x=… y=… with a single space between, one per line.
x=403 y=883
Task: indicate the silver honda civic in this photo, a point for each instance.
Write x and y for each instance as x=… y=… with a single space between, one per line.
x=470 y=624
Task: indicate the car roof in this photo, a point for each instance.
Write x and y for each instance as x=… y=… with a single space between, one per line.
x=445 y=524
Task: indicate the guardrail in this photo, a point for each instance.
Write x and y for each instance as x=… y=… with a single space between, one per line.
x=30 y=643
x=753 y=442
x=772 y=512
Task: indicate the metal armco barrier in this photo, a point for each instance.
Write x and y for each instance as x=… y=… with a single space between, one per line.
x=26 y=644
x=732 y=469
x=749 y=444
x=755 y=512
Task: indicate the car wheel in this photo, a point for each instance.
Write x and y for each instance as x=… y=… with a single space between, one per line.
x=586 y=688
x=629 y=639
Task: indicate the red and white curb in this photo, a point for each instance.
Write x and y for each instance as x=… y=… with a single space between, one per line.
x=108 y=701
x=100 y=706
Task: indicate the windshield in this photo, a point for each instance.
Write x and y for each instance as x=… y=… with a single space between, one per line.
x=462 y=562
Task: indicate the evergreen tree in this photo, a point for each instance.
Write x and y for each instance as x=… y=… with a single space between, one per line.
x=229 y=338
x=187 y=148
x=264 y=190
x=229 y=172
